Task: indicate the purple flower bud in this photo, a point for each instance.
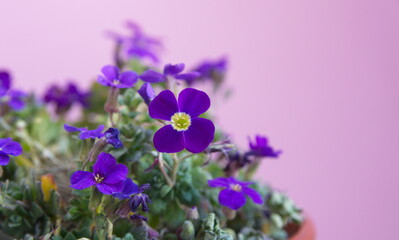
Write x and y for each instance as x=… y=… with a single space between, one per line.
x=260 y=148
x=112 y=137
x=147 y=93
x=5 y=82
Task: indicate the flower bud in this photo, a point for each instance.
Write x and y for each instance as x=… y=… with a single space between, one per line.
x=188 y=231
x=47 y=185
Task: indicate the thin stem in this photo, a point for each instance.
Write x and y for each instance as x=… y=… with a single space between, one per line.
x=175 y=167
x=161 y=167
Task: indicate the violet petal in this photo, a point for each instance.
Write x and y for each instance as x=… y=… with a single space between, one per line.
x=173 y=69
x=231 y=198
x=199 y=135
x=109 y=189
x=152 y=76
x=163 y=106
x=168 y=140
x=82 y=179
x=105 y=162
x=254 y=195
x=219 y=182
x=193 y=102
x=110 y=72
x=4 y=158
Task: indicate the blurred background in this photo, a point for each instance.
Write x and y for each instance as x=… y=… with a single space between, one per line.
x=319 y=78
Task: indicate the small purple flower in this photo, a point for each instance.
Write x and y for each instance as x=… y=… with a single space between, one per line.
x=108 y=176
x=85 y=133
x=140 y=198
x=186 y=130
x=147 y=92
x=234 y=192
x=261 y=148
x=138 y=44
x=64 y=98
x=112 y=137
x=8 y=147
x=5 y=82
x=173 y=70
x=113 y=78
x=16 y=100
x=211 y=70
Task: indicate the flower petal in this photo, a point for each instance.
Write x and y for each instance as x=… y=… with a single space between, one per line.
x=70 y=128
x=193 y=102
x=116 y=174
x=219 y=182
x=109 y=189
x=127 y=79
x=103 y=81
x=168 y=140
x=173 y=69
x=163 y=106
x=232 y=199
x=129 y=188
x=95 y=133
x=4 y=158
x=254 y=195
x=188 y=76
x=10 y=147
x=152 y=76
x=199 y=135
x=110 y=72
x=82 y=179
x=105 y=163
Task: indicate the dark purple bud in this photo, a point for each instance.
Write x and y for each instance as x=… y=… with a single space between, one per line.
x=145 y=187
x=147 y=93
x=112 y=137
x=5 y=82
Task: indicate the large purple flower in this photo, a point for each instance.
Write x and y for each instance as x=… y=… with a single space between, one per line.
x=173 y=70
x=113 y=78
x=186 y=129
x=85 y=133
x=260 y=148
x=8 y=147
x=108 y=176
x=234 y=192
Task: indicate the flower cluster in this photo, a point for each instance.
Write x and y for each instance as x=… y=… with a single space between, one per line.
x=144 y=161
x=64 y=98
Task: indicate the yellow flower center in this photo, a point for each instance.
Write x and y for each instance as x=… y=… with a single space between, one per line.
x=115 y=81
x=236 y=187
x=98 y=178
x=181 y=121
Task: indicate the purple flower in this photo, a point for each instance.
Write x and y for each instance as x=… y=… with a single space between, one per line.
x=85 y=133
x=138 y=44
x=147 y=93
x=186 y=130
x=112 y=137
x=234 y=192
x=211 y=70
x=173 y=70
x=64 y=98
x=5 y=82
x=16 y=100
x=8 y=147
x=140 y=199
x=108 y=176
x=261 y=148
x=113 y=78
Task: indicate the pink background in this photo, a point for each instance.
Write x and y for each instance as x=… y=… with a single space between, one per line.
x=320 y=78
